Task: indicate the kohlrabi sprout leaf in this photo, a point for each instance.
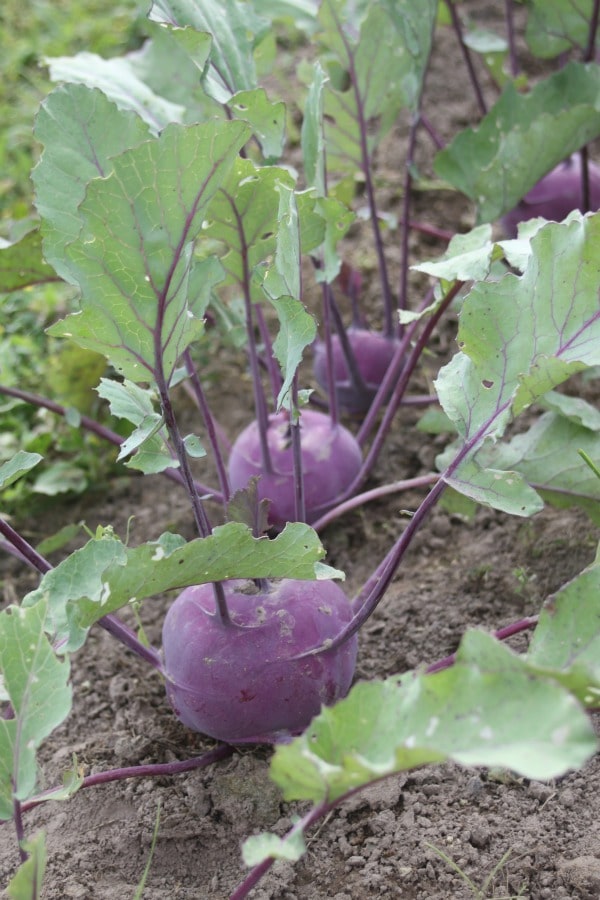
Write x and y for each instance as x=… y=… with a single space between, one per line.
x=26 y=884
x=36 y=683
x=21 y=263
x=575 y=409
x=557 y=26
x=547 y=456
x=468 y=257
x=236 y=30
x=522 y=137
x=259 y=847
x=566 y=642
x=133 y=256
x=488 y=709
x=81 y=130
x=117 y=79
x=20 y=463
x=379 y=71
x=105 y=574
x=297 y=330
x=519 y=338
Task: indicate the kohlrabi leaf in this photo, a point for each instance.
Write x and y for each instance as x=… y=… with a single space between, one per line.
x=36 y=683
x=575 y=409
x=21 y=263
x=133 y=256
x=26 y=883
x=566 y=642
x=557 y=26
x=380 y=71
x=313 y=134
x=266 y=117
x=522 y=137
x=117 y=79
x=468 y=257
x=243 y=219
x=236 y=29
x=488 y=709
x=105 y=574
x=546 y=455
x=519 y=338
x=80 y=130
x=21 y=463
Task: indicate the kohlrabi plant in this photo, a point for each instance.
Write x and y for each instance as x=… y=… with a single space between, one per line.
x=167 y=201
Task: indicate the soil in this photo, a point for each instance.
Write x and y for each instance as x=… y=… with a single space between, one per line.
x=509 y=836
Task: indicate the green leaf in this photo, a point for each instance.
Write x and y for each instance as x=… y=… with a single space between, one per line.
x=21 y=463
x=297 y=331
x=557 y=26
x=133 y=256
x=193 y=447
x=259 y=847
x=575 y=409
x=266 y=117
x=283 y=277
x=21 y=263
x=117 y=79
x=387 y=61
x=467 y=258
x=60 y=478
x=236 y=29
x=35 y=681
x=105 y=575
x=522 y=138
x=127 y=400
x=547 y=456
x=80 y=130
x=566 y=642
x=26 y=884
x=520 y=337
x=488 y=709
x=313 y=133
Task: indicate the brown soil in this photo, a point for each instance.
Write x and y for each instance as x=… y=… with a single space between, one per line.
x=519 y=838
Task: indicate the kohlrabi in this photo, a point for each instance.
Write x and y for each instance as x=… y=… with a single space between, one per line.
x=240 y=680
x=330 y=461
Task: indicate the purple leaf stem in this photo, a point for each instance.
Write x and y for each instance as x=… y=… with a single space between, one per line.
x=431 y=231
x=501 y=634
x=295 y=426
x=510 y=34
x=209 y=424
x=437 y=140
x=407 y=189
x=467 y=57
x=268 y=356
x=334 y=412
x=356 y=379
x=18 y=823
x=222 y=751
x=367 y=170
x=590 y=50
x=360 y=499
x=313 y=815
x=96 y=428
x=110 y=622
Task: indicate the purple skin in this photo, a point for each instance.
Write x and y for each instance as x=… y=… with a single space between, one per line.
x=237 y=682
x=373 y=352
x=555 y=195
x=331 y=459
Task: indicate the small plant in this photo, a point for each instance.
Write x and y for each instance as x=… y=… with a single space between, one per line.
x=168 y=206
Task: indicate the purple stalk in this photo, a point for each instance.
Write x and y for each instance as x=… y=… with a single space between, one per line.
x=388 y=306
x=356 y=379
x=269 y=357
x=467 y=56
x=110 y=622
x=334 y=412
x=360 y=499
x=501 y=634
x=222 y=751
x=403 y=289
x=18 y=822
x=431 y=231
x=95 y=427
x=588 y=56
x=510 y=34
x=590 y=50
x=209 y=424
x=296 y=439
x=437 y=140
